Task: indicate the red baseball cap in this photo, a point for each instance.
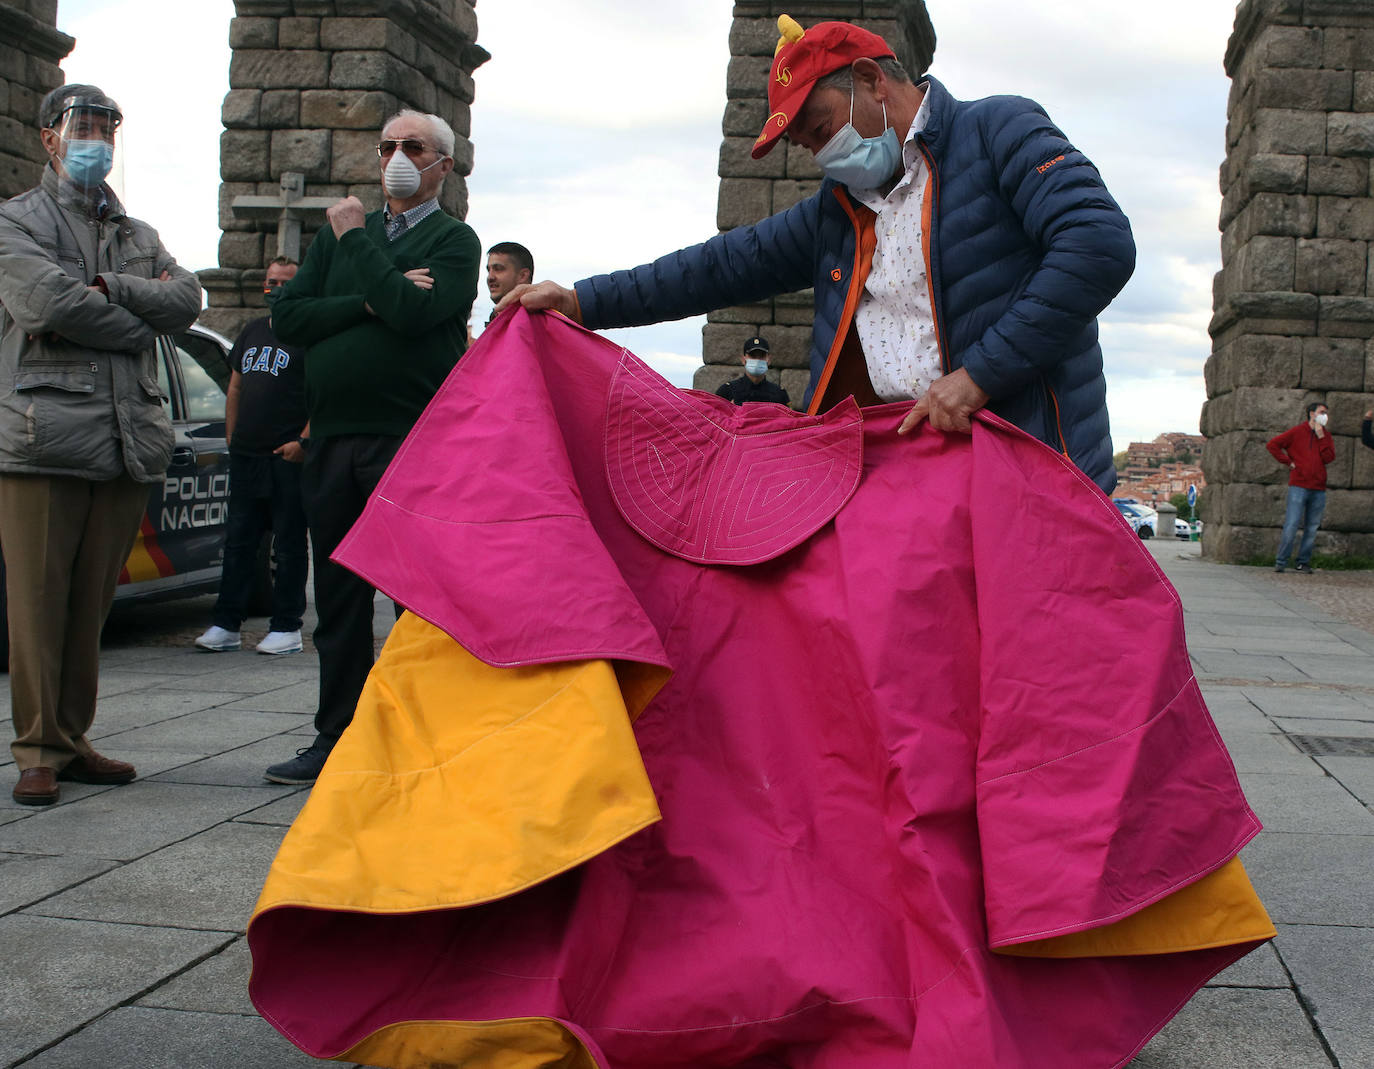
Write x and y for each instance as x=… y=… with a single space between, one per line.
x=801 y=58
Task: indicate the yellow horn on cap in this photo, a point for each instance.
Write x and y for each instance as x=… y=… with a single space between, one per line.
x=790 y=29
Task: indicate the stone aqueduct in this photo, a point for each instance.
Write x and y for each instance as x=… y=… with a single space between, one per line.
x=310 y=81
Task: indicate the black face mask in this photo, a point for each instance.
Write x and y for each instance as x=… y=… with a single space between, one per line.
x=271 y=295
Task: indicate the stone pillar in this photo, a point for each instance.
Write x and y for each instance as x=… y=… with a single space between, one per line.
x=1294 y=300
x=30 y=50
x=752 y=189
x=310 y=83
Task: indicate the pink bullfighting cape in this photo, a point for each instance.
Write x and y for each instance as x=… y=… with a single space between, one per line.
x=722 y=736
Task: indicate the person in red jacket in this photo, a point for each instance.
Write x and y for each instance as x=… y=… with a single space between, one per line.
x=1307 y=450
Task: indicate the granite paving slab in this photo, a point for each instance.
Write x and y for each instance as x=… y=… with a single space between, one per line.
x=121 y=823
x=1262 y=752
x=1281 y=646
x=1309 y=804
x=280 y=813
x=206 y=732
x=148 y=1038
x=1259 y=968
x=1356 y=775
x=1313 y=878
x=1334 y=971
x=303 y=697
x=219 y=984
x=1323 y=702
x=1349 y=729
x=1236 y=1028
x=70 y=792
x=1358 y=671
x=1244 y=666
x=136 y=709
x=241 y=767
x=121 y=681
x=85 y=970
x=259 y=675
x=208 y=881
x=25 y=879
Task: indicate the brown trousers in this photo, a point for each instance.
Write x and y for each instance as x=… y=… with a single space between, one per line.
x=65 y=541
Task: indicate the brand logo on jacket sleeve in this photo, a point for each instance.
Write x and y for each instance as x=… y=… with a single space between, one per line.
x=1048 y=164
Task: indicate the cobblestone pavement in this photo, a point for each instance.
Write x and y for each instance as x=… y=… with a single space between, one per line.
x=122 y=910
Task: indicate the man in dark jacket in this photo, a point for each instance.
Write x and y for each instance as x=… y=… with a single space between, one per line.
x=85 y=291
x=754 y=384
x=959 y=251
x=1306 y=450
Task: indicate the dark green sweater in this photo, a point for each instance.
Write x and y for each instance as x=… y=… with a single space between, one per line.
x=374 y=373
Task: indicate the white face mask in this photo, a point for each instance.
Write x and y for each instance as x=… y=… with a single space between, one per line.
x=756 y=367
x=1321 y=419
x=401 y=178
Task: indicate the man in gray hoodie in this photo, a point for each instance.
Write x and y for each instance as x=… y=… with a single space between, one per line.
x=84 y=292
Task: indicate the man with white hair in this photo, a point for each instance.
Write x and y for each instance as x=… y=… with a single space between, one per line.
x=381 y=306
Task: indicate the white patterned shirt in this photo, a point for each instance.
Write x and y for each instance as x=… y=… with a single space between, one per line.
x=895 y=319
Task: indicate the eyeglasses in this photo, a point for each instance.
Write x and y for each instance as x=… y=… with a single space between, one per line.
x=410 y=146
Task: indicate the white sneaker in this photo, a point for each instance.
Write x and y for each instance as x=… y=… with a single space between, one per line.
x=218 y=640
x=278 y=642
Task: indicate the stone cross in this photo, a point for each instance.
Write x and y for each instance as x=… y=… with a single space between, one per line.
x=290 y=207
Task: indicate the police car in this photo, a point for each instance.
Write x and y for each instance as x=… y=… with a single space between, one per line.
x=180 y=546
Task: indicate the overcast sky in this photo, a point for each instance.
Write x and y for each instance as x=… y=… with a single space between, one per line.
x=597 y=133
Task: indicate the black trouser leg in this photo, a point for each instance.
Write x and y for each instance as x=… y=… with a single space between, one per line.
x=249 y=489
x=339 y=475
x=288 y=546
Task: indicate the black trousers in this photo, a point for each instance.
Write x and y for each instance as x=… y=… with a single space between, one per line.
x=340 y=474
x=264 y=494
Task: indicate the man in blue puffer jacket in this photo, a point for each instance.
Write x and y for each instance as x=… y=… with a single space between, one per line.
x=960 y=251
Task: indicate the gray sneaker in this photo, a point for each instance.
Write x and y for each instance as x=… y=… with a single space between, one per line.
x=305 y=767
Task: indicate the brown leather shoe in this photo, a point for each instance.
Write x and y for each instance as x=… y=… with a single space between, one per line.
x=36 y=786
x=92 y=768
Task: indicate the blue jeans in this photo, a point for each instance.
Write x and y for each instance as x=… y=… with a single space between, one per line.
x=1305 y=508
x=264 y=494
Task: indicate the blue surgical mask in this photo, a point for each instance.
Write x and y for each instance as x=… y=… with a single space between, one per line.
x=860 y=162
x=756 y=367
x=87 y=163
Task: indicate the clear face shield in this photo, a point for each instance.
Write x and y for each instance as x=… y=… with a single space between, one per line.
x=86 y=143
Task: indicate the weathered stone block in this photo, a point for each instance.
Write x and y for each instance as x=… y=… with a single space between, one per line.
x=1350 y=133
x=1258 y=408
x=1308 y=89
x=298 y=33
x=1261 y=360
x=355 y=157
x=735 y=161
x=240 y=108
x=722 y=343
x=1362 y=96
x=1252 y=505
x=744 y=117
x=744 y=200
x=1216 y=417
x=1227 y=542
x=1362 y=467
x=1338 y=176
x=1274 y=213
x=743 y=313
x=1347 y=317
x=1290 y=132
x=794 y=381
x=252 y=33
x=255 y=69
x=788 y=192
x=1289 y=46
x=281 y=109
x=801 y=165
x=1347 y=409
x=381 y=70
x=1332 y=363
x=747 y=76
x=711 y=377
x=347 y=109
x=243 y=155
x=306 y=151
x=463 y=156
x=753 y=37
x=240 y=250
x=1330 y=266
x=349 y=34
x=1265 y=263
x=1277 y=174
x=1348 y=510
x=1345 y=217
x=453 y=199
x=227 y=192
